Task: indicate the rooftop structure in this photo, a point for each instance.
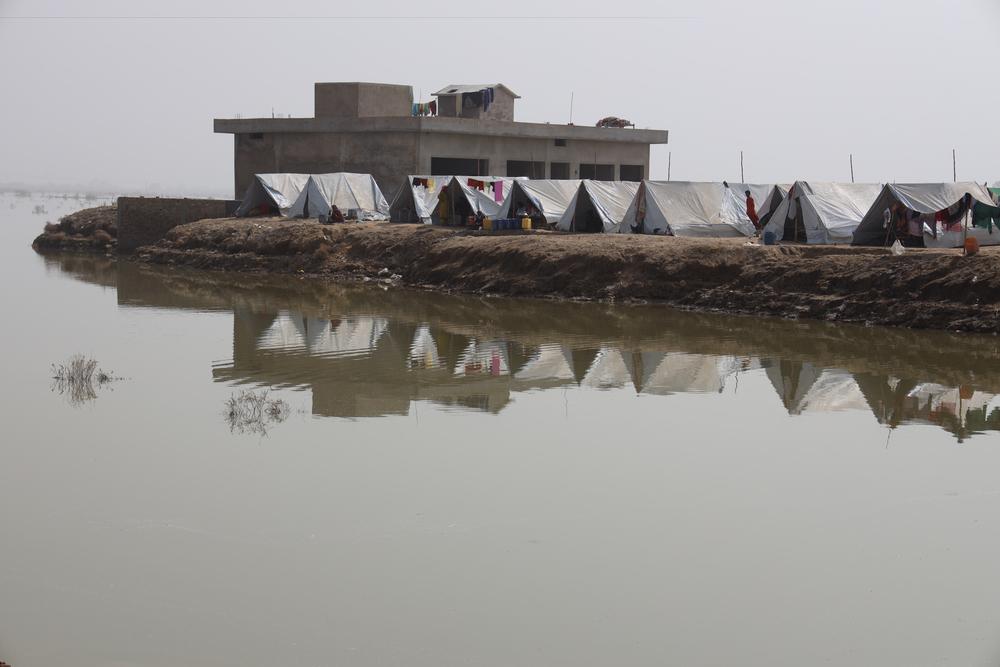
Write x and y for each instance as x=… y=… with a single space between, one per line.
x=376 y=128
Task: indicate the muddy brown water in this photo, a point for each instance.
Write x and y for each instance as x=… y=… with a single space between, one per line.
x=468 y=481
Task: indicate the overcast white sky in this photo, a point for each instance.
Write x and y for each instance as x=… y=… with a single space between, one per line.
x=127 y=102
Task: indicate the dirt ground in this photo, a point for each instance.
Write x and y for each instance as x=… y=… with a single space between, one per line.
x=933 y=289
x=90 y=230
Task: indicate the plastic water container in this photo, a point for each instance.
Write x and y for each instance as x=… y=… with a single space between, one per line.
x=525 y=223
x=971 y=245
x=487 y=224
x=768 y=238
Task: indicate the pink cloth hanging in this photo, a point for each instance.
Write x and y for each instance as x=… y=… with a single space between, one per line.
x=498 y=191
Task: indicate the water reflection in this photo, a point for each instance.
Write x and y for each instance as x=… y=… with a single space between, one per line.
x=368 y=352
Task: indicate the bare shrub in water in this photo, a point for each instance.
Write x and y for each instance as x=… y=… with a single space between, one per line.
x=254 y=412
x=79 y=378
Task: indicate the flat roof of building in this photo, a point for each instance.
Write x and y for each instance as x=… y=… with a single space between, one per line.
x=441 y=125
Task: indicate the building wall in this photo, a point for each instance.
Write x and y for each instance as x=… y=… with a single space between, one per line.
x=388 y=156
x=146 y=220
x=498 y=150
x=361 y=100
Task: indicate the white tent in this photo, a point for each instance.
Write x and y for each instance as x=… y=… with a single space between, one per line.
x=549 y=197
x=272 y=193
x=817 y=212
x=771 y=201
x=348 y=192
x=598 y=206
x=688 y=209
x=456 y=199
x=924 y=200
x=416 y=198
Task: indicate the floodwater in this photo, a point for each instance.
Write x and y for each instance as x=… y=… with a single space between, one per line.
x=466 y=481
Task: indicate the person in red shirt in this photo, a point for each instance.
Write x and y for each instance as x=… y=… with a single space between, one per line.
x=752 y=211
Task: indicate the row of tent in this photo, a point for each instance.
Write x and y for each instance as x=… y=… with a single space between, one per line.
x=582 y=205
x=314 y=196
x=805 y=211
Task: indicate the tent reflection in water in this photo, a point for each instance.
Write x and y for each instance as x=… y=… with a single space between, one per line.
x=677 y=208
x=423 y=352
x=549 y=363
x=940 y=213
x=818 y=212
x=598 y=206
x=611 y=369
x=803 y=386
x=483 y=358
x=682 y=372
x=544 y=200
x=348 y=192
x=348 y=336
x=271 y=194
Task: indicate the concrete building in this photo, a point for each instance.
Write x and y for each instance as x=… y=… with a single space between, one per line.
x=369 y=128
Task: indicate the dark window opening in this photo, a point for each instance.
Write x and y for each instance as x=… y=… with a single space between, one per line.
x=560 y=142
x=256 y=135
x=559 y=170
x=517 y=168
x=459 y=166
x=597 y=172
x=631 y=172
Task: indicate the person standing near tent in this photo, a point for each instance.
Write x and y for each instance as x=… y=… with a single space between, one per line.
x=752 y=211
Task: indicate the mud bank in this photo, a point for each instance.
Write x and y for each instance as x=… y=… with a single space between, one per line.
x=921 y=289
x=88 y=230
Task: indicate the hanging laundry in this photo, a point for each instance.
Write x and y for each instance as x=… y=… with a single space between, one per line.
x=434 y=107
x=415 y=109
x=430 y=184
x=498 y=191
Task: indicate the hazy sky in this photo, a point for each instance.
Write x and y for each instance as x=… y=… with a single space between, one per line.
x=102 y=93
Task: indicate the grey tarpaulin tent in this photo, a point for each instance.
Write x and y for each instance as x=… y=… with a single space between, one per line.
x=457 y=199
x=416 y=198
x=819 y=212
x=271 y=194
x=772 y=200
x=598 y=206
x=549 y=197
x=348 y=192
x=682 y=208
x=924 y=200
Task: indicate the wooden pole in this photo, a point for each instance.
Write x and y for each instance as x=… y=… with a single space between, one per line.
x=742 y=179
x=669 y=157
x=852 y=167
x=954 y=167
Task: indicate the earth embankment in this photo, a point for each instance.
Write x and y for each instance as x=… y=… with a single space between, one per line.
x=920 y=289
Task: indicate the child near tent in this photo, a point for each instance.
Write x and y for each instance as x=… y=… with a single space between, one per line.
x=752 y=211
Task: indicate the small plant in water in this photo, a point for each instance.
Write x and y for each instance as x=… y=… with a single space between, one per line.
x=79 y=378
x=254 y=412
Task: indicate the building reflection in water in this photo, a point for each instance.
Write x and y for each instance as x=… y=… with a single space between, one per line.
x=368 y=352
